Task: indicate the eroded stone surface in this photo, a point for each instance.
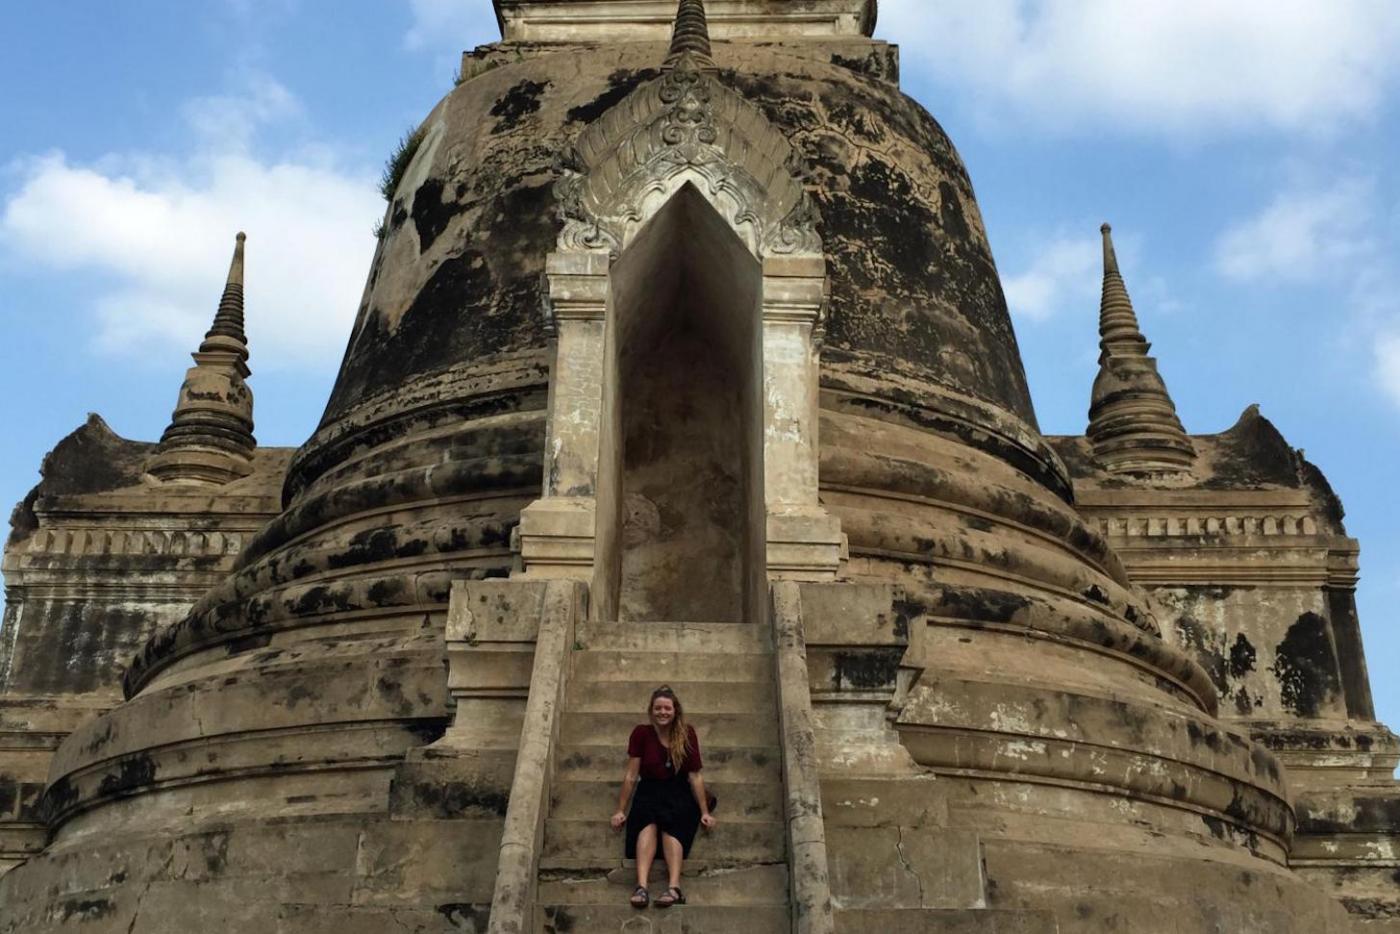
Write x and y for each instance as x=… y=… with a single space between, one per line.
x=1027 y=695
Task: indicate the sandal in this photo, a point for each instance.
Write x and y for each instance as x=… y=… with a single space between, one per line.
x=673 y=896
x=640 y=898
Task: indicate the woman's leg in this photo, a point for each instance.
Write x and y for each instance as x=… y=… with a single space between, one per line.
x=674 y=854
x=646 y=853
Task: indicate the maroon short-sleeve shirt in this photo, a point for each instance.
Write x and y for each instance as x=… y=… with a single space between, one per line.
x=644 y=744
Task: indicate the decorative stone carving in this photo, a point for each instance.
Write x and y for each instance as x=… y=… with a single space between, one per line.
x=684 y=127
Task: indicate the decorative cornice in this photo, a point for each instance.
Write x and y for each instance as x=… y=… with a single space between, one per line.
x=1132 y=421
x=100 y=541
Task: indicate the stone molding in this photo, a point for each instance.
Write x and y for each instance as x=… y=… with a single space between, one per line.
x=1210 y=525
x=96 y=540
x=650 y=20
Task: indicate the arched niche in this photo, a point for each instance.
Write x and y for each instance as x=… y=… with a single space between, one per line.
x=680 y=521
x=685 y=292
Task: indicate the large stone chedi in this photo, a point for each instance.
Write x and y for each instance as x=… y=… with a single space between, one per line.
x=683 y=358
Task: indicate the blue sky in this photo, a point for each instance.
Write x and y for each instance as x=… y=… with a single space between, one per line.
x=1245 y=154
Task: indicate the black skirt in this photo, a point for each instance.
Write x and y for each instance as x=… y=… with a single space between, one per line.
x=670 y=805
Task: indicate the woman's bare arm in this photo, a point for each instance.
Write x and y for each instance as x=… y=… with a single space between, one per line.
x=697 y=788
x=629 y=782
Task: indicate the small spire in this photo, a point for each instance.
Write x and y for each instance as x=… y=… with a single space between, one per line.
x=1118 y=322
x=210 y=436
x=228 y=320
x=1132 y=421
x=691 y=35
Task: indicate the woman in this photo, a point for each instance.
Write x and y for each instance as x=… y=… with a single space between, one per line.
x=670 y=804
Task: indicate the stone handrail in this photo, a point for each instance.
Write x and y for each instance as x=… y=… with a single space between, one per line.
x=806 y=832
x=517 y=869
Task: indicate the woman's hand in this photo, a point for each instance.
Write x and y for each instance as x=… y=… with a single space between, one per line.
x=619 y=819
x=707 y=821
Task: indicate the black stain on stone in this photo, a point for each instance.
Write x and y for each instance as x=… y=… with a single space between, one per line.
x=620 y=84
x=247 y=643
x=1244 y=703
x=1369 y=814
x=950 y=212
x=134 y=772
x=385 y=592
x=905 y=612
x=1205 y=645
x=466 y=917
x=85 y=909
x=517 y=104
x=1096 y=594
x=430 y=214
x=59 y=797
x=392 y=693
x=558 y=920
x=1242 y=657
x=1306 y=666
x=980 y=605
x=450 y=800
x=428 y=730
x=1252 y=453
x=870 y=669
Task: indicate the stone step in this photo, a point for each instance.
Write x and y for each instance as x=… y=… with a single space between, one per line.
x=729 y=886
x=737 y=800
x=945 y=921
x=700 y=698
x=734 y=841
x=710 y=638
x=607 y=761
x=682 y=919
x=722 y=729
x=656 y=668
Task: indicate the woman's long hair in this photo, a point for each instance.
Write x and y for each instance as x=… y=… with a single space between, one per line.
x=679 y=743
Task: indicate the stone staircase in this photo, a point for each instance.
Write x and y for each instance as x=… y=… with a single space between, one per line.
x=737 y=876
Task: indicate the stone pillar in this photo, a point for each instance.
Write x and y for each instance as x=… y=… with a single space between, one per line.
x=558 y=531
x=804 y=541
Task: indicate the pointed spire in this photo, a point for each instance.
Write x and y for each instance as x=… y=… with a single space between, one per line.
x=228 y=320
x=210 y=437
x=691 y=35
x=1132 y=422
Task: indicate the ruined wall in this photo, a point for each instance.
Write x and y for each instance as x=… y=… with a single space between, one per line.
x=99 y=557
x=1249 y=569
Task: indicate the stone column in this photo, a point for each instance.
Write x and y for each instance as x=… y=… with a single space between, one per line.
x=558 y=530
x=804 y=541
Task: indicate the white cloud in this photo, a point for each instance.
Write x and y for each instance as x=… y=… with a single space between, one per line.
x=1065 y=271
x=156 y=233
x=1166 y=66
x=230 y=120
x=1301 y=234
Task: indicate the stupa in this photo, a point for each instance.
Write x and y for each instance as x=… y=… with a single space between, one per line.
x=683 y=357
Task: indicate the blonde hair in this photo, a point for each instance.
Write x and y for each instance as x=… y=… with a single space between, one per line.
x=679 y=743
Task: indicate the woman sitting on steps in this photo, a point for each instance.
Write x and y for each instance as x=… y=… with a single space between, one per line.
x=670 y=804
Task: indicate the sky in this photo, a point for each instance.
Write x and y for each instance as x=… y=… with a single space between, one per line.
x=1245 y=153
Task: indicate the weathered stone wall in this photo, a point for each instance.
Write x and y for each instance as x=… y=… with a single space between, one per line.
x=99 y=557
x=1249 y=567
